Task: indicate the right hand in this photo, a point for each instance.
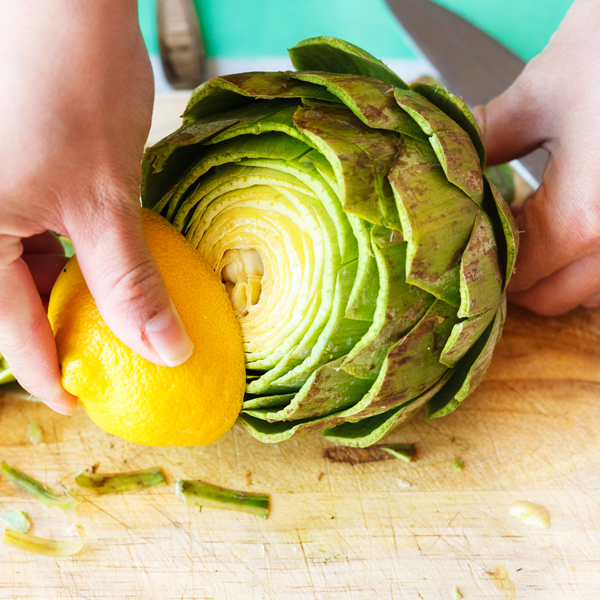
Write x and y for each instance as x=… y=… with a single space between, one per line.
x=554 y=104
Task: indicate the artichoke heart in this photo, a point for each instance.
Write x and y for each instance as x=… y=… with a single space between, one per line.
x=364 y=249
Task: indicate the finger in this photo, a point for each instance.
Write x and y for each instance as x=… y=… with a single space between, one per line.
x=42 y=243
x=559 y=224
x=572 y=286
x=26 y=338
x=516 y=122
x=44 y=269
x=127 y=286
x=593 y=302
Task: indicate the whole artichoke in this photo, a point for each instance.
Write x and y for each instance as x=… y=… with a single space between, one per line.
x=365 y=251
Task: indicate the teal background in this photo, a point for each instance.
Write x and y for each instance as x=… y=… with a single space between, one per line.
x=266 y=28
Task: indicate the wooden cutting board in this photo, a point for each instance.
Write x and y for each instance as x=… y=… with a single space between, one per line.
x=382 y=529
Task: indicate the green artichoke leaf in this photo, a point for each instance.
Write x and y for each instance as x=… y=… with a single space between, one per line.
x=399 y=381
x=337 y=338
x=399 y=307
x=328 y=391
x=505 y=229
x=281 y=120
x=371 y=430
x=464 y=335
x=231 y=91
x=372 y=101
x=337 y=56
x=503 y=177
x=456 y=108
x=6 y=375
x=451 y=143
x=277 y=400
x=480 y=277
x=304 y=171
x=361 y=159
x=363 y=298
x=437 y=220
x=469 y=372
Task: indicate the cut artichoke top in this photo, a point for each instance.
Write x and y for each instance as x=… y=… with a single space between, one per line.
x=364 y=249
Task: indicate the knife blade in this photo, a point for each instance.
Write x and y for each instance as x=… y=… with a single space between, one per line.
x=472 y=63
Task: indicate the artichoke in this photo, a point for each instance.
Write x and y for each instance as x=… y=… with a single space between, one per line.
x=6 y=375
x=363 y=247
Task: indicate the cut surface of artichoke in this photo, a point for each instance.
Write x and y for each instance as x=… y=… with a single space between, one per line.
x=363 y=248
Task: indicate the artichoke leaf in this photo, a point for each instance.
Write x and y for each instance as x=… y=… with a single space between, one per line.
x=451 y=143
x=337 y=56
x=505 y=229
x=399 y=307
x=456 y=108
x=437 y=220
x=372 y=101
x=469 y=372
x=278 y=400
x=371 y=430
x=503 y=177
x=360 y=157
x=232 y=91
x=363 y=298
x=480 y=277
x=464 y=335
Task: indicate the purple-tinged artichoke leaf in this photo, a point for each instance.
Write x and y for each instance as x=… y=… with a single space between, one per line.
x=399 y=307
x=372 y=101
x=464 y=335
x=480 y=277
x=361 y=159
x=452 y=144
x=231 y=91
x=437 y=220
x=469 y=372
x=456 y=108
x=337 y=56
x=371 y=430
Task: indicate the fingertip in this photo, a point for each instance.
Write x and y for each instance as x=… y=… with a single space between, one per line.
x=61 y=401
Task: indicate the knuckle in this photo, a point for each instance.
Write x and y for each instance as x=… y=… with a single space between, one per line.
x=138 y=287
x=11 y=249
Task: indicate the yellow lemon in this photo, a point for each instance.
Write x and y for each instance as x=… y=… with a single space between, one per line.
x=128 y=396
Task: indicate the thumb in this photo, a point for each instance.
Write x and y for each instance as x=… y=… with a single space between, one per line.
x=126 y=284
x=514 y=123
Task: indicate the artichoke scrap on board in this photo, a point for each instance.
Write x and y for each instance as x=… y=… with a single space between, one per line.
x=385 y=248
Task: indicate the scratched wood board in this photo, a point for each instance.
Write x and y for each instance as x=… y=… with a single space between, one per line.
x=382 y=529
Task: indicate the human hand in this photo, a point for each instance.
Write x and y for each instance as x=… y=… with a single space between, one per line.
x=553 y=104
x=74 y=115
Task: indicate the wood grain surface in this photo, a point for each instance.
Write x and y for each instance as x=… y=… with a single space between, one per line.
x=380 y=529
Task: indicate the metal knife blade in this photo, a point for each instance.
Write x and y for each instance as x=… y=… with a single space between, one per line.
x=472 y=64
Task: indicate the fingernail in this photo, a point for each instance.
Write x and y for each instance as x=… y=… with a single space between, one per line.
x=168 y=337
